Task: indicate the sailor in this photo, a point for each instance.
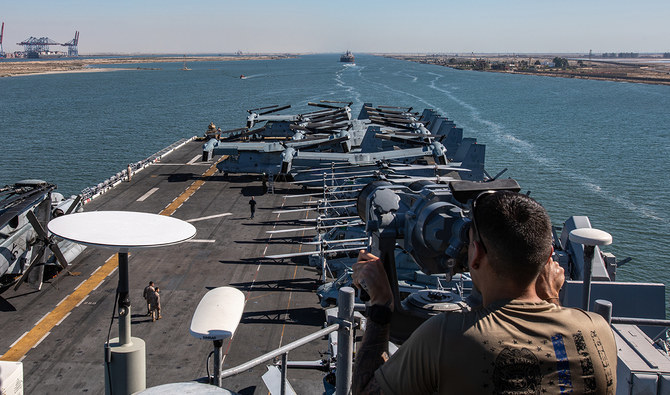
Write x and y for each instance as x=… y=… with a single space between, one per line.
x=252 y=206
x=519 y=341
x=148 y=291
x=156 y=305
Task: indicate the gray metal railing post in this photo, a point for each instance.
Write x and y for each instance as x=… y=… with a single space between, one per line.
x=345 y=340
x=588 y=271
x=284 y=369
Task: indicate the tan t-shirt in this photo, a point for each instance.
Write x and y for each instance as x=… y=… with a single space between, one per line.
x=509 y=347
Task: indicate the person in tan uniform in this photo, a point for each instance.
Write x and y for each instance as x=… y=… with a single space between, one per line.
x=156 y=305
x=147 y=295
x=520 y=341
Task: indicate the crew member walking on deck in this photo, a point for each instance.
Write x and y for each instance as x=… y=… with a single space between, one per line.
x=148 y=291
x=252 y=206
x=156 y=305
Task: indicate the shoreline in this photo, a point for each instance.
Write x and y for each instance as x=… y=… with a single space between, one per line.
x=639 y=71
x=17 y=68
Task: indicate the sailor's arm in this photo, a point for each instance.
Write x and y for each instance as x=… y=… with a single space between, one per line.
x=369 y=275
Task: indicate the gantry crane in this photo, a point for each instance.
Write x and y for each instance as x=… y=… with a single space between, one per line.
x=72 y=49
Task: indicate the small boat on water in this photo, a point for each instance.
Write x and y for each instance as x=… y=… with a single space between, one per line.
x=243 y=77
x=185 y=67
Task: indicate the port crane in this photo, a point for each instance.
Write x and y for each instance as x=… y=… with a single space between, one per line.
x=33 y=46
x=2 y=34
x=72 y=46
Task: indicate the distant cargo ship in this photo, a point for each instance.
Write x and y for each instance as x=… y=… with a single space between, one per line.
x=347 y=57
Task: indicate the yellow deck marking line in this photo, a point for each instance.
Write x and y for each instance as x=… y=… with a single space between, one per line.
x=32 y=338
x=172 y=207
x=42 y=329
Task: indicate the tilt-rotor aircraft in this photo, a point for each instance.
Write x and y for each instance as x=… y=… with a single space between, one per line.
x=387 y=137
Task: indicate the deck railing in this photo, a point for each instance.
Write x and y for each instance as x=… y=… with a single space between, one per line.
x=344 y=325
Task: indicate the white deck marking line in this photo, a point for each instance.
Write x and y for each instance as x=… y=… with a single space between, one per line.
x=63 y=319
x=96 y=270
x=96 y=287
x=80 y=284
x=112 y=272
x=194 y=159
x=208 y=217
x=200 y=241
x=146 y=195
x=81 y=301
x=63 y=300
x=43 y=317
x=40 y=341
x=17 y=340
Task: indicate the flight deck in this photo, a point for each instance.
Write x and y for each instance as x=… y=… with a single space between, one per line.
x=59 y=332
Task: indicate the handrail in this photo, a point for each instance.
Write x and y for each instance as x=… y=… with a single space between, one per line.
x=279 y=351
x=640 y=321
x=344 y=325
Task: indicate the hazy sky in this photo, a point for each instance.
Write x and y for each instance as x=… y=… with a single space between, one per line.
x=209 y=26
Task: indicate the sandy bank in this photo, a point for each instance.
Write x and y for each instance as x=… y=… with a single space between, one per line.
x=640 y=70
x=11 y=68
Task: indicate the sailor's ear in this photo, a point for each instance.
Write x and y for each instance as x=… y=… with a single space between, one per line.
x=476 y=253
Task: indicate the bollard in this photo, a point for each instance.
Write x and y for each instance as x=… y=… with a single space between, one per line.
x=604 y=308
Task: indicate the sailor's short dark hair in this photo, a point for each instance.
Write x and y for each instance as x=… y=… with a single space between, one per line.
x=517 y=233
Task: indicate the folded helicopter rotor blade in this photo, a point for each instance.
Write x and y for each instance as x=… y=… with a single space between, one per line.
x=36 y=225
x=394 y=125
x=275 y=109
x=394 y=119
x=261 y=108
x=406 y=109
x=244 y=134
x=323 y=105
x=322 y=125
x=414 y=134
x=60 y=258
x=336 y=115
x=35 y=260
x=379 y=109
x=400 y=139
x=349 y=103
x=74 y=205
x=319 y=113
x=325 y=142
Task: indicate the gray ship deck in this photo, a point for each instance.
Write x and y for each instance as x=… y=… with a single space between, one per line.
x=67 y=356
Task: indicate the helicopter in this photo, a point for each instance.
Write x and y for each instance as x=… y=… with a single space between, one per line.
x=26 y=248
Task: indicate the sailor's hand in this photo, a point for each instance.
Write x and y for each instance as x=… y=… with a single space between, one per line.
x=369 y=275
x=550 y=281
